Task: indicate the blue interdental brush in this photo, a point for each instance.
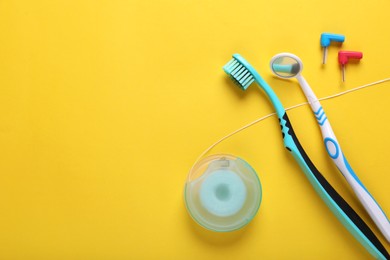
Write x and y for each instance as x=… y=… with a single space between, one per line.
x=326 y=39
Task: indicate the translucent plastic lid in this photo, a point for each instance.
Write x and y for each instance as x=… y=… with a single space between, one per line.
x=222 y=193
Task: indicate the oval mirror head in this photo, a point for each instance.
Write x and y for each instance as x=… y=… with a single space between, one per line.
x=286 y=66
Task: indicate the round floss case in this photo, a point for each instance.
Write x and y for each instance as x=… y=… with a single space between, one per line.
x=222 y=193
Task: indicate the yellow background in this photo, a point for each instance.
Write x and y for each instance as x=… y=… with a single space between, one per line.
x=105 y=105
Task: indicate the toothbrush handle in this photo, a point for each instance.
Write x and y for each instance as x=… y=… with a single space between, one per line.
x=334 y=150
x=340 y=208
x=372 y=207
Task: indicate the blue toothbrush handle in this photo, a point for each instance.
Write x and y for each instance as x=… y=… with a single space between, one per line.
x=340 y=208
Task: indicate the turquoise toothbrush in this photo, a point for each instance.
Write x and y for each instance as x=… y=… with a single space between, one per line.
x=243 y=75
x=287 y=65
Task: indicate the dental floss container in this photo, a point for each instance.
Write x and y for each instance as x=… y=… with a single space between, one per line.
x=222 y=193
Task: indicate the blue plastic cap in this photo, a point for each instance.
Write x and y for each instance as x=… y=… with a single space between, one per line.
x=327 y=38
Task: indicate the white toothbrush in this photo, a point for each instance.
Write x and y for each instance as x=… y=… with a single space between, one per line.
x=286 y=65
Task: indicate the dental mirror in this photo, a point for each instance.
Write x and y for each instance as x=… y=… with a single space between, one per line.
x=286 y=65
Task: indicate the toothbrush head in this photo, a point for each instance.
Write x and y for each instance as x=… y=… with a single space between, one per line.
x=240 y=71
x=243 y=75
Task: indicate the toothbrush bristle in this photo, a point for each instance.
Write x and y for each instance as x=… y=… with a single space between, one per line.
x=239 y=74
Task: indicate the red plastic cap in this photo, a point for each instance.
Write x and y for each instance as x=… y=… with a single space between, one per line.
x=344 y=56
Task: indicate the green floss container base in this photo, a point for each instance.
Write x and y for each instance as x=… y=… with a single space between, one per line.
x=222 y=193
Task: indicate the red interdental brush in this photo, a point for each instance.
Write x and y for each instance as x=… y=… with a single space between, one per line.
x=345 y=56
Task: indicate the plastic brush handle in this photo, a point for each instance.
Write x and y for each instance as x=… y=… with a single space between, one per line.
x=327 y=38
x=340 y=208
x=333 y=149
x=344 y=56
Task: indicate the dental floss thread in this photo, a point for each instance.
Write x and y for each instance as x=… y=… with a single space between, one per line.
x=288 y=108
